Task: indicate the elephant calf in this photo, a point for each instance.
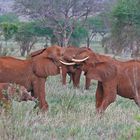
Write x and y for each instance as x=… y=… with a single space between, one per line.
x=15 y=92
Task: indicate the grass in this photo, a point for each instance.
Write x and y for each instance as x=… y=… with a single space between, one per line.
x=71 y=116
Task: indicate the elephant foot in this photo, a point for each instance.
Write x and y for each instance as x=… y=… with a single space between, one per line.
x=64 y=85
x=44 y=107
x=99 y=112
x=137 y=102
x=76 y=87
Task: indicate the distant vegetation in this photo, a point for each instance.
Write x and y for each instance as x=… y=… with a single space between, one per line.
x=75 y=23
x=71 y=22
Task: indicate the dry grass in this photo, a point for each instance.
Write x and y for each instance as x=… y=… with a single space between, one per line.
x=71 y=116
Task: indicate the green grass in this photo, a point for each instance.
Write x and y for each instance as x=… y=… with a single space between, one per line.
x=71 y=116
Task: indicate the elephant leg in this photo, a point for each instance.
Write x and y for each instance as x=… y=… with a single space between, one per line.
x=109 y=96
x=87 y=82
x=32 y=93
x=39 y=92
x=137 y=101
x=76 y=78
x=64 y=75
x=99 y=95
x=73 y=79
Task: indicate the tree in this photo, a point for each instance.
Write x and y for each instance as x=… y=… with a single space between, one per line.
x=78 y=36
x=59 y=15
x=41 y=31
x=28 y=33
x=8 y=30
x=126 y=26
x=26 y=38
x=9 y=18
x=94 y=25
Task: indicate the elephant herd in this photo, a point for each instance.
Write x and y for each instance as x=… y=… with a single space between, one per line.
x=113 y=76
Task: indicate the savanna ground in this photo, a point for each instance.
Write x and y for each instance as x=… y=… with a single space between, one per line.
x=71 y=116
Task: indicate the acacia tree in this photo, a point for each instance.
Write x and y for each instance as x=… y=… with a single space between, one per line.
x=26 y=38
x=28 y=34
x=8 y=25
x=41 y=31
x=126 y=26
x=9 y=18
x=78 y=36
x=8 y=30
x=95 y=25
x=59 y=15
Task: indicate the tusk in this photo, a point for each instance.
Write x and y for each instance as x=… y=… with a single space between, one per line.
x=80 y=60
x=66 y=63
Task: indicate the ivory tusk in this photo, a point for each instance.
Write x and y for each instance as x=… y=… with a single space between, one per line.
x=66 y=63
x=80 y=60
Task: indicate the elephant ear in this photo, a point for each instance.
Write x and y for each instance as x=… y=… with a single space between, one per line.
x=51 y=52
x=103 y=71
x=36 y=53
x=42 y=53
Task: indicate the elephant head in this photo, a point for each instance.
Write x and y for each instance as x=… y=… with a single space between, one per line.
x=83 y=57
x=47 y=61
x=69 y=67
x=87 y=61
x=75 y=55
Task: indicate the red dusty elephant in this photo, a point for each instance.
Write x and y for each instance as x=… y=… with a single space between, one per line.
x=10 y=92
x=71 y=68
x=32 y=73
x=114 y=77
x=74 y=72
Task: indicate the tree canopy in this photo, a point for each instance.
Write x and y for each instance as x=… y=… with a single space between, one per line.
x=59 y=15
x=126 y=25
x=9 y=18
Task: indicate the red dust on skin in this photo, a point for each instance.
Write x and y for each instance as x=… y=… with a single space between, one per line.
x=74 y=70
x=114 y=77
x=32 y=72
x=71 y=70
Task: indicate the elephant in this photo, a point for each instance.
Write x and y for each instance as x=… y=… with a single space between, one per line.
x=12 y=92
x=74 y=74
x=9 y=91
x=114 y=77
x=71 y=68
x=32 y=72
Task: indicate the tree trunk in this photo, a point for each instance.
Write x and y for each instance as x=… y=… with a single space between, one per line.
x=65 y=39
x=46 y=43
x=22 y=50
x=88 y=42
